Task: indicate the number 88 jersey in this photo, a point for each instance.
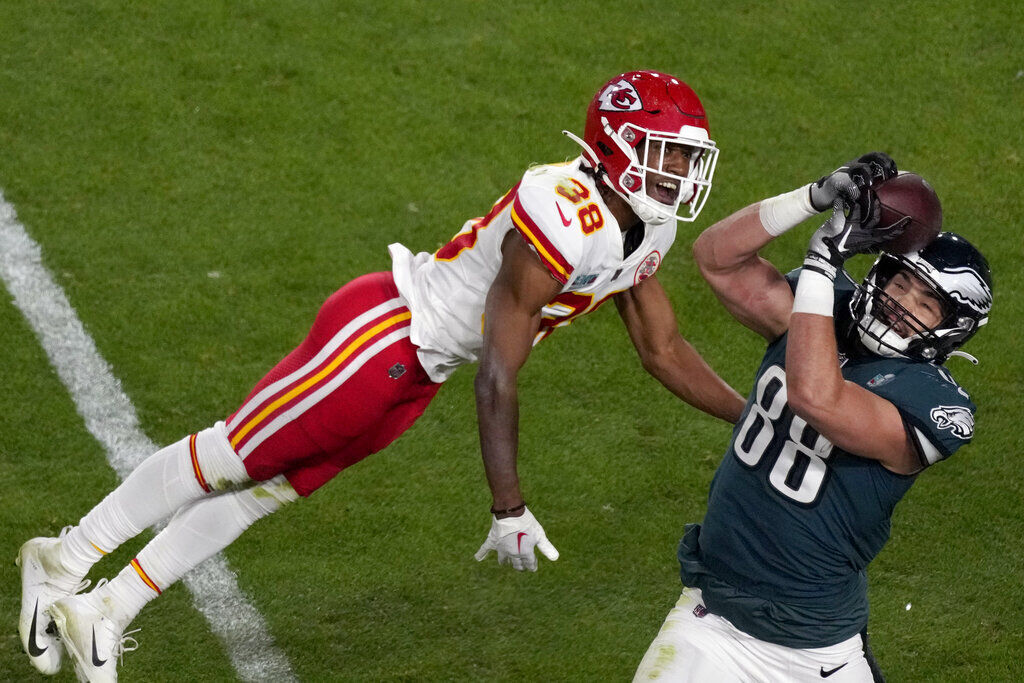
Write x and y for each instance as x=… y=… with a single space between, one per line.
x=794 y=521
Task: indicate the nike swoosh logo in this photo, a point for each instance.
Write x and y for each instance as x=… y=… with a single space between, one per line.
x=33 y=647
x=565 y=222
x=826 y=674
x=519 y=541
x=96 y=661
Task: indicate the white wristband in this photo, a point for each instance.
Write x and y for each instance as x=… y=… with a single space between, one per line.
x=814 y=293
x=786 y=211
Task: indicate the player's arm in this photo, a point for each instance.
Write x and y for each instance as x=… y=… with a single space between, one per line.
x=512 y=315
x=511 y=320
x=751 y=288
x=848 y=415
x=665 y=354
x=845 y=413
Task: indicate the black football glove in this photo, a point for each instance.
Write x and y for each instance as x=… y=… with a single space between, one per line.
x=849 y=183
x=845 y=234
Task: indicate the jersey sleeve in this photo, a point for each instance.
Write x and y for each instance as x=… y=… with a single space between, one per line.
x=536 y=215
x=937 y=413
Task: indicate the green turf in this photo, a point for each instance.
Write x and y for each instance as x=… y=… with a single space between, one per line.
x=281 y=145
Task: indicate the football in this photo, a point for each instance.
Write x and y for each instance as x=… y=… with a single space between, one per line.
x=909 y=195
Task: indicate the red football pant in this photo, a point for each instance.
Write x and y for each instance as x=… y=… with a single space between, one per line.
x=351 y=388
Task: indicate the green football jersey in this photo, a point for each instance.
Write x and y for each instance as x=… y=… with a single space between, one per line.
x=792 y=522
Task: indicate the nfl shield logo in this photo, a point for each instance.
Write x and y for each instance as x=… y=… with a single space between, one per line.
x=700 y=611
x=396 y=371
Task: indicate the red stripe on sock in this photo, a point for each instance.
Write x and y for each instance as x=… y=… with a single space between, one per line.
x=144 y=576
x=195 y=463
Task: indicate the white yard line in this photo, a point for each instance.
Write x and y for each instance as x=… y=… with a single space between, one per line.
x=110 y=417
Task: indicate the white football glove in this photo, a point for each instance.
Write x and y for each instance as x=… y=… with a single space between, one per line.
x=514 y=539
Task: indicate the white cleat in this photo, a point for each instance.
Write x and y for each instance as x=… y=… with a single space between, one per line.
x=43 y=581
x=93 y=641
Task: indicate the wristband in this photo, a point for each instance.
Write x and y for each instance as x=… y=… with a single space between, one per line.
x=507 y=511
x=786 y=211
x=815 y=290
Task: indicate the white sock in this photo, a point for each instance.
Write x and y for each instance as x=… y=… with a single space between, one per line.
x=193 y=535
x=162 y=484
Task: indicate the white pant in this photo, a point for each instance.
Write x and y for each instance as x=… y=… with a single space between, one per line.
x=697 y=646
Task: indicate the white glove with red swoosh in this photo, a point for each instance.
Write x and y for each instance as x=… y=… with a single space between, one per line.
x=514 y=539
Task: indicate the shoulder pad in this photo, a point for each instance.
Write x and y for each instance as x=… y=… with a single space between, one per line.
x=547 y=221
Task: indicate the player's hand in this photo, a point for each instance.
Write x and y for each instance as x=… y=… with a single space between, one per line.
x=848 y=181
x=514 y=539
x=846 y=233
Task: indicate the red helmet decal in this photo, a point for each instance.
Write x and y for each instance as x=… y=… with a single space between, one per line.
x=620 y=96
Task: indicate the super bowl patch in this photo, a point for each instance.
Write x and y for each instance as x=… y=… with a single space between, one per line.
x=648 y=268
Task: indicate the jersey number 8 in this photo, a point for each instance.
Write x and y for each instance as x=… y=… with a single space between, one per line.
x=591 y=219
x=799 y=470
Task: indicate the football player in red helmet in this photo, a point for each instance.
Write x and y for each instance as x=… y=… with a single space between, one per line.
x=565 y=239
x=635 y=124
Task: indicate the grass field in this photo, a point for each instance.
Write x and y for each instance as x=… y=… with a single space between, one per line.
x=200 y=176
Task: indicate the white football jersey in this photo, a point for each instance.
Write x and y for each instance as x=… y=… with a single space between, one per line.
x=558 y=210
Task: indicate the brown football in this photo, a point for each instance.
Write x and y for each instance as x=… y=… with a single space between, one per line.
x=908 y=194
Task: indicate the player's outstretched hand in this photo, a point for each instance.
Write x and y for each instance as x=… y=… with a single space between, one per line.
x=514 y=539
x=847 y=181
x=845 y=234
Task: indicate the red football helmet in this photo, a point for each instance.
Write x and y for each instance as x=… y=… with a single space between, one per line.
x=630 y=123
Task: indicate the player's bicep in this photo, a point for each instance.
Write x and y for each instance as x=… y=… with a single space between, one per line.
x=512 y=309
x=648 y=315
x=756 y=294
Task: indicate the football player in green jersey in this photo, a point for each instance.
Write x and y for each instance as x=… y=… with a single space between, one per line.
x=851 y=402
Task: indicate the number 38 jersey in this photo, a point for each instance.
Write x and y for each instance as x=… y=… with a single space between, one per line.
x=558 y=210
x=793 y=522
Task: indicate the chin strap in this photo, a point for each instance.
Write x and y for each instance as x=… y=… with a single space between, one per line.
x=964 y=354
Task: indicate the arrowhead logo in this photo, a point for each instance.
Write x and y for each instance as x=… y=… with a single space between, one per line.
x=96 y=661
x=620 y=96
x=33 y=647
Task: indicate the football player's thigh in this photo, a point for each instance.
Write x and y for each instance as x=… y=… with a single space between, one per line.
x=689 y=648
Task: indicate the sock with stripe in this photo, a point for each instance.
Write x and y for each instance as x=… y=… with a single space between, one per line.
x=195 y=534
x=162 y=484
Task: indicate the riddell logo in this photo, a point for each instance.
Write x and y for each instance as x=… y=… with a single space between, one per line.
x=621 y=96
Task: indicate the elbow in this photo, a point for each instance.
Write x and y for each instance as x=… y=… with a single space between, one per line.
x=650 y=365
x=484 y=384
x=703 y=253
x=490 y=384
x=655 y=361
x=799 y=399
x=807 y=399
